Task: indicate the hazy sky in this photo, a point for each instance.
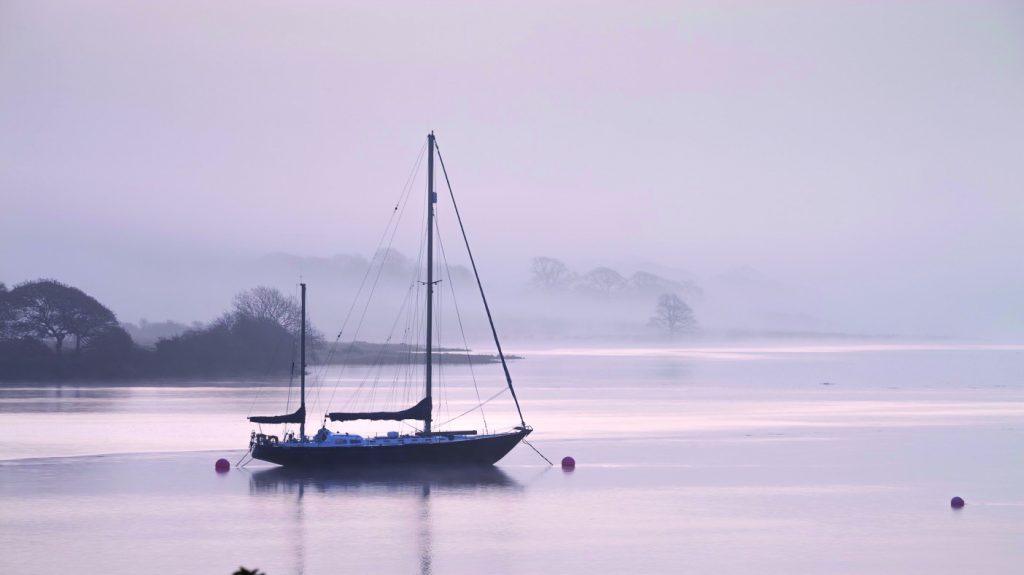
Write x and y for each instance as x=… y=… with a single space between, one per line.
x=868 y=154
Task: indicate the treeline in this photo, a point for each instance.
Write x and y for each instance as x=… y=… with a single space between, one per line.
x=612 y=290
x=52 y=331
x=553 y=275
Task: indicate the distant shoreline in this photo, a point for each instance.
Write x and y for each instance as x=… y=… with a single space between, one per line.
x=279 y=377
x=362 y=358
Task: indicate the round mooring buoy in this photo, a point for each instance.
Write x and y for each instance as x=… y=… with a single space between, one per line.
x=222 y=465
x=568 y=463
x=956 y=502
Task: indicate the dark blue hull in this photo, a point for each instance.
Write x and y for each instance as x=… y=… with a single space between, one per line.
x=483 y=450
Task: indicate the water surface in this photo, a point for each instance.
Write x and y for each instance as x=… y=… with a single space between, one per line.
x=742 y=459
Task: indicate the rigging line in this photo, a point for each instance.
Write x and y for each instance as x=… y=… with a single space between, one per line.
x=538 y=452
x=400 y=356
x=382 y=256
x=266 y=372
x=394 y=398
x=442 y=382
x=403 y=201
x=487 y=308
x=406 y=369
x=414 y=283
x=406 y=189
x=369 y=269
x=409 y=340
x=376 y=362
x=438 y=364
x=411 y=316
x=378 y=369
x=239 y=464
x=291 y=383
x=377 y=366
x=373 y=290
x=458 y=315
x=331 y=352
x=407 y=424
x=324 y=367
x=471 y=410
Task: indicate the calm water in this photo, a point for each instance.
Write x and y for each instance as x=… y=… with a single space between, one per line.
x=708 y=460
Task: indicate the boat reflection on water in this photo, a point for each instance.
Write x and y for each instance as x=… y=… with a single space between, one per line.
x=416 y=481
x=386 y=478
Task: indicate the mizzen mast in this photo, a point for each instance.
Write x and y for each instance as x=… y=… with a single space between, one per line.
x=302 y=369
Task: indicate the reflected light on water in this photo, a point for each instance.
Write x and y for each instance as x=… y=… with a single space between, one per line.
x=739 y=353
x=720 y=465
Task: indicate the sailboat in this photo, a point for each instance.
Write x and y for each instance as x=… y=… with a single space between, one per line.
x=427 y=446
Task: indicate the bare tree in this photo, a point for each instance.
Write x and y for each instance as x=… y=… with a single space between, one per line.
x=267 y=303
x=550 y=273
x=264 y=302
x=673 y=314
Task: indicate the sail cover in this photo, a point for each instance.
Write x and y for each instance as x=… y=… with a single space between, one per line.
x=297 y=417
x=419 y=411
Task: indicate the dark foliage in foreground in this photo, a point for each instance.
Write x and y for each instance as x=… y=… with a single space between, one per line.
x=37 y=318
x=233 y=345
x=258 y=337
x=48 y=309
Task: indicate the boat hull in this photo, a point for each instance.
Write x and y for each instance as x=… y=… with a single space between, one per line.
x=483 y=450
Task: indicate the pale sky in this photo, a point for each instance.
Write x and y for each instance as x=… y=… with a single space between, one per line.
x=868 y=154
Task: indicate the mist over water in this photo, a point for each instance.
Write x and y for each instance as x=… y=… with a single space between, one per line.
x=756 y=266
x=844 y=168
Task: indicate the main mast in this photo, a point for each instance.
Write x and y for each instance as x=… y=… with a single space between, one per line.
x=431 y=199
x=302 y=369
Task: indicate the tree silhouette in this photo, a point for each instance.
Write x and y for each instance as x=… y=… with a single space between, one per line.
x=6 y=313
x=264 y=302
x=90 y=319
x=673 y=314
x=267 y=303
x=51 y=310
x=550 y=273
x=604 y=280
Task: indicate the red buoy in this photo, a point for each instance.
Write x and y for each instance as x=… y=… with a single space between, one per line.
x=568 y=463
x=956 y=503
x=222 y=465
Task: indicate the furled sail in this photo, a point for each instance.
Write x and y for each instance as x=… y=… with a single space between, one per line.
x=297 y=417
x=419 y=411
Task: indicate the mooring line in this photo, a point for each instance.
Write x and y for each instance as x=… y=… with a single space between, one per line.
x=538 y=452
x=239 y=463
